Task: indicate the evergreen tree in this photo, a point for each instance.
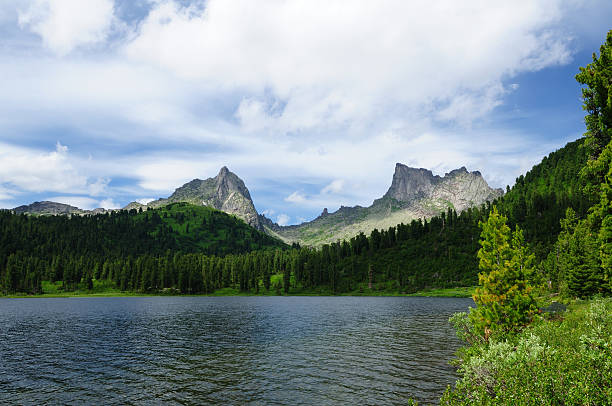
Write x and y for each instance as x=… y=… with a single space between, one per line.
x=504 y=296
x=597 y=97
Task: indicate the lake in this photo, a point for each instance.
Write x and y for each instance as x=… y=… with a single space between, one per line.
x=227 y=350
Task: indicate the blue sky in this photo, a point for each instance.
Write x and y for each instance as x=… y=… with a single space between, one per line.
x=311 y=103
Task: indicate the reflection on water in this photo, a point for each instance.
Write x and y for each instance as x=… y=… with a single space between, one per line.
x=226 y=350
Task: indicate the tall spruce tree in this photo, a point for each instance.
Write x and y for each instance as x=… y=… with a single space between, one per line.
x=504 y=296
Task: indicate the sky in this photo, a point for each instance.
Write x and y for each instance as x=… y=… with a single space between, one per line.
x=311 y=103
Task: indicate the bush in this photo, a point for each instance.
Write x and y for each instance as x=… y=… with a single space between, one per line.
x=550 y=362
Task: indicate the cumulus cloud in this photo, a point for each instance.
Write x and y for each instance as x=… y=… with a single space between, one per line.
x=328 y=65
x=37 y=171
x=82 y=202
x=282 y=219
x=336 y=186
x=66 y=24
x=322 y=100
x=6 y=194
x=145 y=200
x=295 y=197
x=98 y=187
x=109 y=204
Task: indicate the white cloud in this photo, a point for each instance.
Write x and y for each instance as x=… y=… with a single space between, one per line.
x=38 y=171
x=82 y=202
x=66 y=24
x=338 y=64
x=98 y=187
x=6 y=194
x=336 y=186
x=282 y=219
x=165 y=175
x=109 y=204
x=283 y=91
x=295 y=197
x=145 y=200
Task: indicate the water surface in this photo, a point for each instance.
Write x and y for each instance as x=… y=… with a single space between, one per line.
x=226 y=350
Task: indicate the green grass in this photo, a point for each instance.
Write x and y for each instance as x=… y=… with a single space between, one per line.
x=101 y=289
x=448 y=292
x=108 y=289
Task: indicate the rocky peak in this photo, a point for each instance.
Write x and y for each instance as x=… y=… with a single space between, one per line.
x=223 y=172
x=227 y=182
x=225 y=192
x=410 y=183
x=461 y=171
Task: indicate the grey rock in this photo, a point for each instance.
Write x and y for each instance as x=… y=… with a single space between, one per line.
x=225 y=192
x=48 y=208
x=414 y=193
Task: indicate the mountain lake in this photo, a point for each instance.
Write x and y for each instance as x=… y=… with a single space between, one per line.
x=227 y=350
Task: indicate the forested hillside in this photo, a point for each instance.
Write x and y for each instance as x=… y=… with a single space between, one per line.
x=33 y=248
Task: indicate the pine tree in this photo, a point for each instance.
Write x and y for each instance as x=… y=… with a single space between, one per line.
x=597 y=97
x=504 y=296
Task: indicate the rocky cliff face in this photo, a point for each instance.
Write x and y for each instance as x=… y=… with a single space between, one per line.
x=458 y=189
x=411 y=183
x=225 y=192
x=414 y=193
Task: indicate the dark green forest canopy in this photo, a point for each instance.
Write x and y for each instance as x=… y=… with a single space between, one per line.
x=176 y=227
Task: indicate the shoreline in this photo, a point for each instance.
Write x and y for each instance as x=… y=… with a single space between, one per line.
x=459 y=292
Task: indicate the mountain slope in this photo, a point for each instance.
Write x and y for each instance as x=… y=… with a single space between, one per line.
x=414 y=193
x=225 y=192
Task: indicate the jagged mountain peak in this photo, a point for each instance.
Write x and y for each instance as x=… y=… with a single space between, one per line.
x=225 y=192
x=223 y=172
x=410 y=183
x=414 y=193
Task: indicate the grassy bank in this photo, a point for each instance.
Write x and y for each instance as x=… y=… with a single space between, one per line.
x=107 y=289
x=563 y=358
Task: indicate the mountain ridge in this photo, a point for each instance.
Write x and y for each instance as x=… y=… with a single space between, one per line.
x=414 y=193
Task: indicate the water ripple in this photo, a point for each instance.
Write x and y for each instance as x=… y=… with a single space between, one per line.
x=245 y=350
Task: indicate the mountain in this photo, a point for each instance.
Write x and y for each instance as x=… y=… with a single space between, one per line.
x=49 y=208
x=225 y=192
x=414 y=193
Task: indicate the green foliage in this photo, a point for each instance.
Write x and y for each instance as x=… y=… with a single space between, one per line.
x=79 y=248
x=597 y=97
x=583 y=276
x=552 y=362
x=538 y=200
x=504 y=297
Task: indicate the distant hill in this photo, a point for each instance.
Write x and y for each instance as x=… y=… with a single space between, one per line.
x=53 y=209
